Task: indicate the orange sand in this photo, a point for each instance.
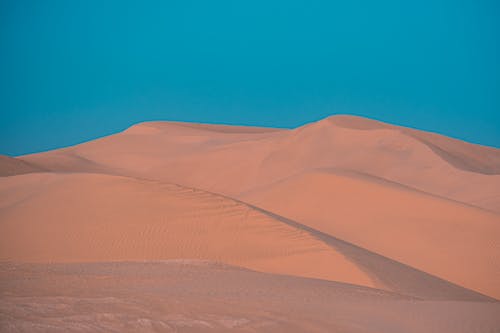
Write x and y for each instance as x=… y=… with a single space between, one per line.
x=409 y=220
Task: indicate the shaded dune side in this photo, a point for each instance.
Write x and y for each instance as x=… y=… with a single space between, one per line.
x=66 y=160
x=391 y=274
x=216 y=127
x=432 y=234
x=462 y=155
x=10 y=166
x=388 y=274
x=399 y=155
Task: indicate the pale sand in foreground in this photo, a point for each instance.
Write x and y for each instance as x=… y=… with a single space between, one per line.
x=191 y=296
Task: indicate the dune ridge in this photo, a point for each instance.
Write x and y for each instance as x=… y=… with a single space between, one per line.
x=461 y=154
x=432 y=234
x=112 y=218
x=233 y=161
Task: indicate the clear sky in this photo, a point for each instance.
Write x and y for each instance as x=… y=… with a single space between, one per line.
x=74 y=70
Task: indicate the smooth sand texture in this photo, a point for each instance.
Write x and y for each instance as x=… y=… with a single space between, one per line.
x=10 y=166
x=435 y=235
x=408 y=219
x=114 y=218
x=92 y=217
x=233 y=161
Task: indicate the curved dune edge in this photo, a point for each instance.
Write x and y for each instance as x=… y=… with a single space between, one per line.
x=111 y=218
x=186 y=295
x=460 y=154
x=233 y=160
x=432 y=234
x=94 y=217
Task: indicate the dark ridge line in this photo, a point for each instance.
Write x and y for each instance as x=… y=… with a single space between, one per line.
x=356 y=254
x=344 y=172
x=373 y=261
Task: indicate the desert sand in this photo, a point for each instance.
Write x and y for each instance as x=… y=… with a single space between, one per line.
x=435 y=235
x=233 y=161
x=202 y=296
x=342 y=225
x=10 y=166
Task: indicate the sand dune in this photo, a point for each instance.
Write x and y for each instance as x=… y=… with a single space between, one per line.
x=112 y=218
x=92 y=217
x=432 y=234
x=348 y=224
x=193 y=296
x=10 y=166
x=232 y=161
x=460 y=154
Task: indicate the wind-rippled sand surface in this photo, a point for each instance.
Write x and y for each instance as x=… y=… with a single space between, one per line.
x=200 y=296
x=344 y=225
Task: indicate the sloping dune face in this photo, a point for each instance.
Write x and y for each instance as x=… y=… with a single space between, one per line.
x=460 y=154
x=91 y=217
x=114 y=218
x=432 y=234
x=10 y=166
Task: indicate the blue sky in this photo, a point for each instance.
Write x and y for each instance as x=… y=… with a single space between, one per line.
x=71 y=71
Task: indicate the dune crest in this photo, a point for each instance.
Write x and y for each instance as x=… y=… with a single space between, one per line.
x=234 y=160
x=461 y=154
x=111 y=218
x=429 y=233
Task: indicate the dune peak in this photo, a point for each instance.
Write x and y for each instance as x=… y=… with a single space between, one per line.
x=355 y=122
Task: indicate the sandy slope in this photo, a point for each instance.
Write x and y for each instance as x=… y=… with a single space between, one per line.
x=236 y=160
x=93 y=217
x=10 y=166
x=435 y=235
x=114 y=218
x=460 y=154
x=193 y=296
